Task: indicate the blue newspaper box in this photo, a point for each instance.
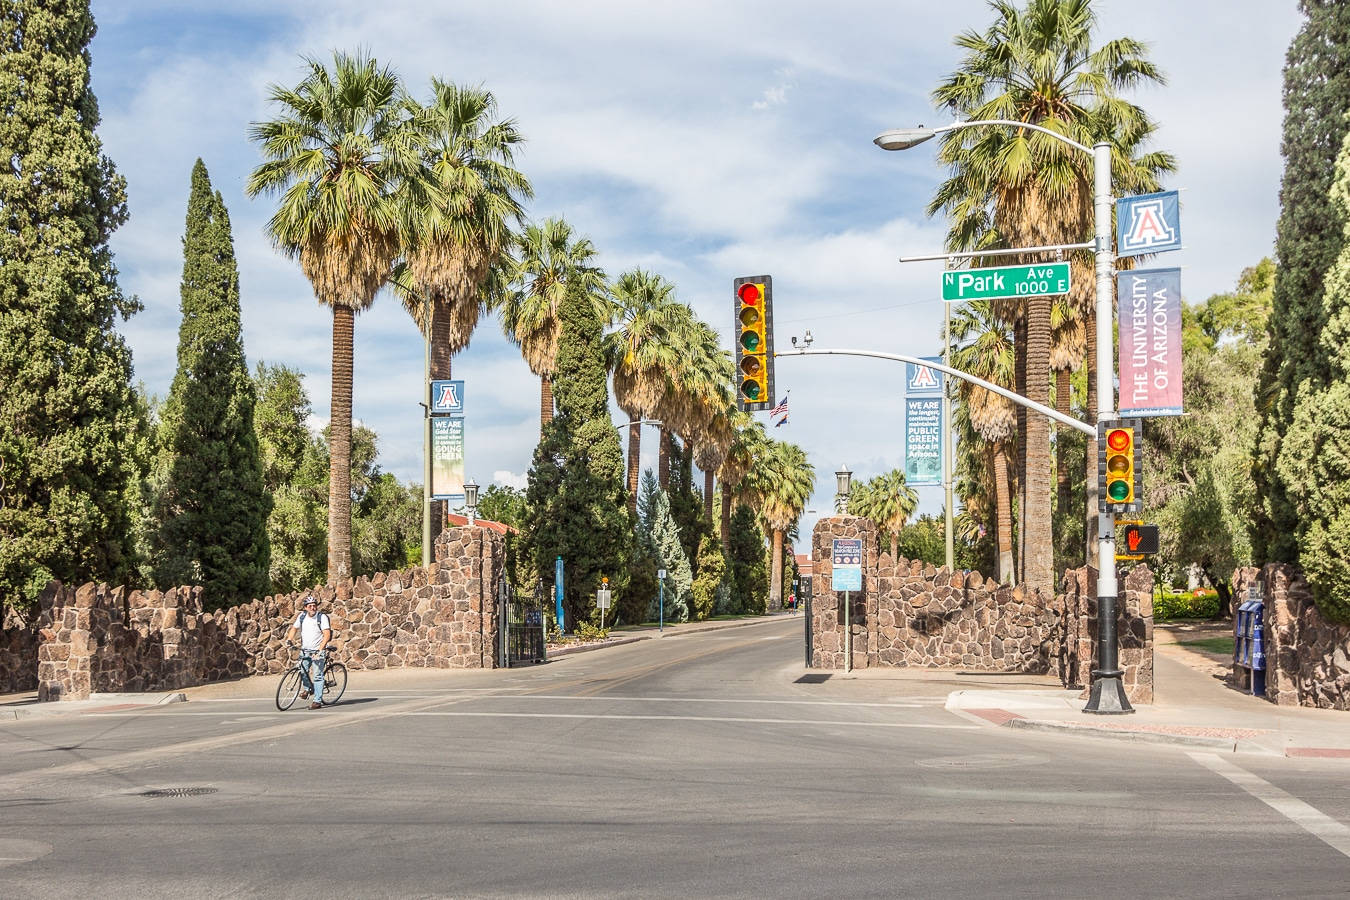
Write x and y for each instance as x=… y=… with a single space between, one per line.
x=1249 y=642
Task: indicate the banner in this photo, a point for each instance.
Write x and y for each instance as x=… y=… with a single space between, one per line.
x=1148 y=223
x=921 y=380
x=447 y=398
x=447 y=458
x=923 y=440
x=1150 y=342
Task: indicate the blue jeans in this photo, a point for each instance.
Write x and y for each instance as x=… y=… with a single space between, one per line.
x=311 y=673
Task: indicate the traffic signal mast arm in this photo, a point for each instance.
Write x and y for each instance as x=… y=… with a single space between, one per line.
x=955 y=373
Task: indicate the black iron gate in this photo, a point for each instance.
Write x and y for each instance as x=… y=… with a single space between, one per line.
x=523 y=632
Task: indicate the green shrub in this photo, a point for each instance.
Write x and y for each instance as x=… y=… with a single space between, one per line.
x=1201 y=604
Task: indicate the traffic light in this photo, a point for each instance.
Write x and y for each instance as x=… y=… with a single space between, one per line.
x=753 y=303
x=1135 y=540
x=1118 y=486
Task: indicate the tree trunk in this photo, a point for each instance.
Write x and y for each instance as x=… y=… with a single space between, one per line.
x=726 y=521
x=663 y=459
x=895 y=546
x=1003 y=513
x=440 y=371
x=776 y=572
x=1036 y=522
x=634 y=461
x=1063 y=477
x=545 y=402
x=1020 y=379
x=340 y=450
x=1090 y=512
x=708 y=495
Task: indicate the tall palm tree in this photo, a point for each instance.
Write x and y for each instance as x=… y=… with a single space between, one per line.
x=458 y=218
x=783 y=481
x=888 y=501
x=641 y=353
x=1013 y=187
x=701 y=397
x=551 y=259
x=984 y=349
x=748 y=443
x=337 y=153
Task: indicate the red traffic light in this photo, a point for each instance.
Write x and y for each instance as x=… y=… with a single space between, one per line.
x=1118 y=439
x=749 y=294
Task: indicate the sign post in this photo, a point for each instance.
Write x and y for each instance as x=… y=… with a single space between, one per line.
x=1040 y=280
x=846 y=575
x=602 y=600
x=661 y=600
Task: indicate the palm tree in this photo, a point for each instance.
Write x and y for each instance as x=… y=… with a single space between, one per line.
x=888 y=501
x=985 y=349
x=458 y=218
x=783 y=481
x=551 y=259
x=748 y=443
x=700 y=399
x=641 y=353
x=1013 y=187
x=337 y=154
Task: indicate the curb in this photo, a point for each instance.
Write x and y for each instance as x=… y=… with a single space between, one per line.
x=95 y=703
x=585 y=648
x=1148 y=737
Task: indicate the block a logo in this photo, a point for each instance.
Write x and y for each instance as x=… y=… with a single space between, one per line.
x=1149 y=223
x=922 y=379
x=447 y=397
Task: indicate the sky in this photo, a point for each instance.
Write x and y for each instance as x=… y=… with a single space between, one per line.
x=699 y=140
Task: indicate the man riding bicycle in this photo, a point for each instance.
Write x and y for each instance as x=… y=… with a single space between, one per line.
x=315 y=633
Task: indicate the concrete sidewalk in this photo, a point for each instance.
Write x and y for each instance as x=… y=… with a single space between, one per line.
x=1192 y=707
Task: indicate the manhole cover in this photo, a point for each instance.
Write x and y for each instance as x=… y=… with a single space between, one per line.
x=179 y=792
x=983 y=761
x=813 y=678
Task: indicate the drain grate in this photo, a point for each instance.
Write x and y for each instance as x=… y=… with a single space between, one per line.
x=179 y=792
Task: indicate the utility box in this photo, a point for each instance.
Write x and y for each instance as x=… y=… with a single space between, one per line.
x=1249 y=643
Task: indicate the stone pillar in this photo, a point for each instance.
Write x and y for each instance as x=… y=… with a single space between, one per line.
x=1134 y=629
x=827 y=606
x=470 y=562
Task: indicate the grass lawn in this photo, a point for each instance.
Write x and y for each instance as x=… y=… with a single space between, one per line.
x=1223 y=645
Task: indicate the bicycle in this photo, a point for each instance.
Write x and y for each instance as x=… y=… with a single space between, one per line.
x=293 y=681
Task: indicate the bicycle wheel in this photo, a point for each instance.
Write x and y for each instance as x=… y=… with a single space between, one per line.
x=334 y=682
x=288 y=691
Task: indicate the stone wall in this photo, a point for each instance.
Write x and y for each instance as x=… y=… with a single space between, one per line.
x=1307 y=657
x=99 y=639
x=911 y=613
x=18 y=651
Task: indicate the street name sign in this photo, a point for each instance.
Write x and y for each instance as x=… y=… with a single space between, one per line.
x=1043 y=280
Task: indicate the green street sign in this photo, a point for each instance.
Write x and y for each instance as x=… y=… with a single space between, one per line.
x=1040 y=280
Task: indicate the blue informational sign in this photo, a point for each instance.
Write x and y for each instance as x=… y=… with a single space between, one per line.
x=923 y=440
x=920 y=380
x=1148 y=223
x=846 y=565
x=447 y=398
x=558 y=590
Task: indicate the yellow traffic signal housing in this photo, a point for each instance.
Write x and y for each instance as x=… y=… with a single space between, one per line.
x=1118 y=488
x=753 y=303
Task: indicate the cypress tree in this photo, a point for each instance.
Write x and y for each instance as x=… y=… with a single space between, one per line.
x=68 y=416
x=212 y=510
x=661 y=541
x=749 y=568
x=1308 y=238
x=575 y=498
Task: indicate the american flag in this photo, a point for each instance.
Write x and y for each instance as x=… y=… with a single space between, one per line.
x=781 y=409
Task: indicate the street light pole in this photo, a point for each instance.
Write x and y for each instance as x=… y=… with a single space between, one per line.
x=426 y=430
x=1108 y=691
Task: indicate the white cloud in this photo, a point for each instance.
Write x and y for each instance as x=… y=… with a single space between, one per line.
x=511 y=479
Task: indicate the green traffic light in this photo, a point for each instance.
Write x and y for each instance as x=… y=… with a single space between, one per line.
x=750 y=341
x=750 y=389
x=1118 y=491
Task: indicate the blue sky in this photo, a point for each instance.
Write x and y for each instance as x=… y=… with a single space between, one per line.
x=700 y=140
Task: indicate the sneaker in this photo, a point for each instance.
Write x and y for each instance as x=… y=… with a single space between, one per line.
x=316 y=705
x=304 y=695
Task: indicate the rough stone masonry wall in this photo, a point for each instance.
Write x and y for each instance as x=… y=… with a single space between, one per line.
x=1307 y=657
x=99 y=639
x=911 y=613
x=18 y=651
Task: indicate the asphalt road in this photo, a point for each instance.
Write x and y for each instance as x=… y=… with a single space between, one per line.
x=691 y=766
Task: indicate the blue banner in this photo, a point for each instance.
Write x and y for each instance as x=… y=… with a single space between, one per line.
x=558 y=590
x=1148 y=223
x=923 y=440
x=447 y=398
x=921 y=380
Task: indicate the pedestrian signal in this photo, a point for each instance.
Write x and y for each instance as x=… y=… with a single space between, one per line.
x=1118 y=486
x=1135 y=540
x=753 y=302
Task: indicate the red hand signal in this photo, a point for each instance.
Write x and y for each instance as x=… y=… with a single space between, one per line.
x=1132 y=538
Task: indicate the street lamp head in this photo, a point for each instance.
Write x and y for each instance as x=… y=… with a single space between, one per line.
x=903 y=138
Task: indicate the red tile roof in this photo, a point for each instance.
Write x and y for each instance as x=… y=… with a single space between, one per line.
x=499 y=527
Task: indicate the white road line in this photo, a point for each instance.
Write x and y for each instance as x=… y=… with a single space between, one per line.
x=752 y=721
x=1321 y=826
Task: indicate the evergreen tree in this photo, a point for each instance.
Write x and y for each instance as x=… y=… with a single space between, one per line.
x=712 y=570
x=575 y=498
x=1308 y=238
x=212 y=507
x=749 y=568
x=663 y=544
x=68 y=416
x=686 y=502
x=295 y=474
